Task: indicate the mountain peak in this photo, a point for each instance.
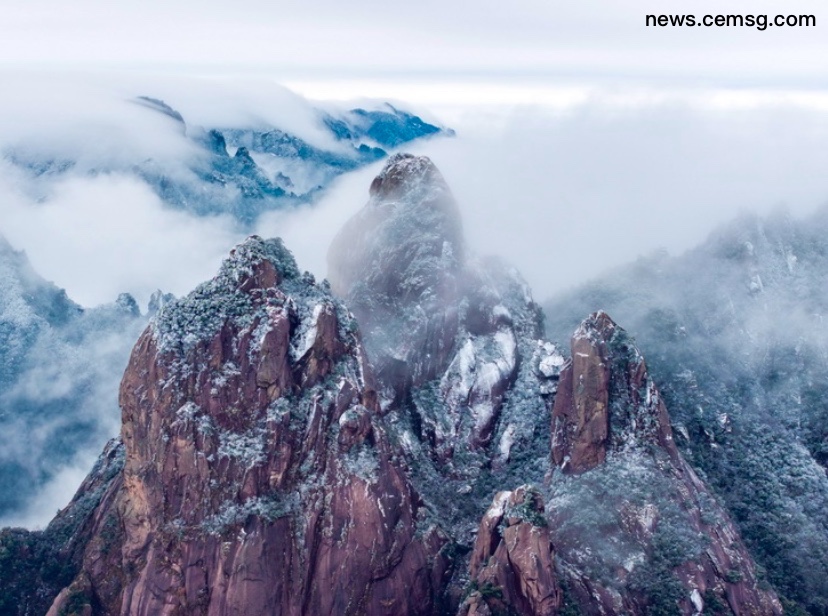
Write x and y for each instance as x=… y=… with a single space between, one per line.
x=251 y=253
x=253 y=443
x=606 y=399
x=407 y=239
x=404 y=173
x=244 y=286
x=598 y=326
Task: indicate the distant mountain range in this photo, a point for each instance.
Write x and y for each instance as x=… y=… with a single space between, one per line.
x=59 y=369
x=245 y=170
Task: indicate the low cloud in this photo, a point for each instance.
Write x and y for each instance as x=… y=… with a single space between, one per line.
x=102 y=235
x=566 y=194
x=55 y=495
x=564 y=191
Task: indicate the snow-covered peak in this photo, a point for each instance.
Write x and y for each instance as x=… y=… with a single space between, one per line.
x=597 y=326
x=254 y=266
x=253 y=251
x=405 y=174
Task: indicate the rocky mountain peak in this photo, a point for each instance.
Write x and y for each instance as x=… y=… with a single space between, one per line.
x=437 y=322
x=606 y=400
x=672 y=543
x=246 y=287
x=404 y=174
x=597 y=327
x=512 y=564
x=407 y=242
x=272 y=465
x=398 y=263
x=254 y=447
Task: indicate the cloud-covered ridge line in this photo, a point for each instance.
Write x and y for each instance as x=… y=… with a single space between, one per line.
x=60 y=366
x=205 y=148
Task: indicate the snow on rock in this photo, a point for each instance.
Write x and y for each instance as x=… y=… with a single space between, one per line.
x=696 y=600
x=256 y=455
x=619 y=465
x=460 y=328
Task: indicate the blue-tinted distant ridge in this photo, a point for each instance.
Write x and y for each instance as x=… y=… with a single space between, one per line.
x=247 y=170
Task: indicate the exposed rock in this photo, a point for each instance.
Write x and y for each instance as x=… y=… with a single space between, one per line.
x=465 y=381
x=35 y=565
x=448 y=334
x=606 y=401
x=512 y=565
x=403 y=250
x=266 y=468
x=258 y=477
x=636 y=527
x=744 y=376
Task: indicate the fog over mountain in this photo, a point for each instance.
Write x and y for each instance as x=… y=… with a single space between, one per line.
x=734 y=332
x=571 y=357
x=589 y=179
x=634 y=169
x=114 y=195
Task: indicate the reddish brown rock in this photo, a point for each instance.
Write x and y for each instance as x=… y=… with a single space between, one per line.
x=512 y=565
x=662 y=539
x=605 y=363
x=258 y=476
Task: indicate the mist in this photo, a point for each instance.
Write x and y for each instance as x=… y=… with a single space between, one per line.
x=586 y=178
x=565 y=194
x=85 y=122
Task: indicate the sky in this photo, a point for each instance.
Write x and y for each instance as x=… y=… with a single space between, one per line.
x=488 y=38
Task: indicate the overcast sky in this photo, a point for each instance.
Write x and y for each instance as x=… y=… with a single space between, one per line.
x=491 y=38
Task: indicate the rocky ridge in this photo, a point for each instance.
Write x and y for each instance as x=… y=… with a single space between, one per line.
x=665 y=540
x=734 y=336
x=253 y=448
x=274 y=465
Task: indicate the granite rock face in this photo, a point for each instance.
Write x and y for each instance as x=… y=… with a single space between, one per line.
x=606 y=402
x=672 y=543
x=258 y=478
x=404 y=248
x=513 y=563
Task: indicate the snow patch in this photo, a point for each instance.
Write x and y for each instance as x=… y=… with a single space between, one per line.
x=696 y=600
x=498 y=507
x=307 y=335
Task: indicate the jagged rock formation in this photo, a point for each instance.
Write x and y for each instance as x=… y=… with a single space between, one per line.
x=664 y=538
x=404 y=249
x=272 y=465
x=606 y=402
x=513 y=563
x=451 y=336
x=258 y=478
x=735 y=336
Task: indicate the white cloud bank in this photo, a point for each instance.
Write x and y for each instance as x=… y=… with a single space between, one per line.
x=565 y=195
